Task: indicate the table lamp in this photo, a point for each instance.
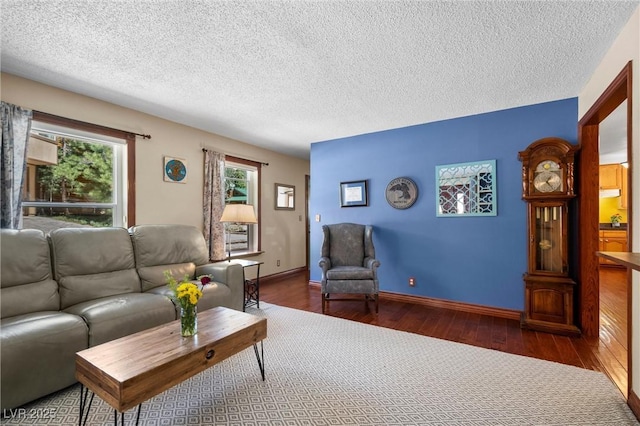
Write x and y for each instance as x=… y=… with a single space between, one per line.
x=240 y=214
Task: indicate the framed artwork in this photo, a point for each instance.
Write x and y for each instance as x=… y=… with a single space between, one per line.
x=466 y=189
x=175 y=170
x=285 y=196
x=353 y=194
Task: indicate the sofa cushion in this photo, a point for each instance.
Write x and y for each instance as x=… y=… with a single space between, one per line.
x=90 y=263
x=26 y=283
x=213 y=294
x=117 y=316
x=350 y=273
x=178 y=248
x=153 y=276
x=77 y=289
x=168 y=245
x=29 y=298
x=182 y=250
x=37 y=354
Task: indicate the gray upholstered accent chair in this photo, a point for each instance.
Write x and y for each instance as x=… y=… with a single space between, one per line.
x=349 y=264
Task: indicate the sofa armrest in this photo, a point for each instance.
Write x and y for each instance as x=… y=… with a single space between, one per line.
x=232 y=275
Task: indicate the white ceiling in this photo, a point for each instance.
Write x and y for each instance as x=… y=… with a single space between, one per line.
x=284 y=74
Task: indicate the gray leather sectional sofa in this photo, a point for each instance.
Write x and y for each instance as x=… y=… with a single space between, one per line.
x=79 y=287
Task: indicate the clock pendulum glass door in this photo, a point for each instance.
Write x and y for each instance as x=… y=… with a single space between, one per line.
x=548 y=238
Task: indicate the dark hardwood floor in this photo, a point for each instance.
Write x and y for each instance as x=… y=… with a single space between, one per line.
x=606 y=354
x=613 y=323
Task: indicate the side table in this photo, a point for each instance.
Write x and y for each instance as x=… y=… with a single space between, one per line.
x=251 y=286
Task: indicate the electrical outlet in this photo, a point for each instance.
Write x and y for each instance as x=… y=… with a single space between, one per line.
x=317 y=218
x=412 y=281
x=278 y=262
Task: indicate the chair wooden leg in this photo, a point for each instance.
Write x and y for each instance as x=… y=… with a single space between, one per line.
x=324 y=300
x=373 y=298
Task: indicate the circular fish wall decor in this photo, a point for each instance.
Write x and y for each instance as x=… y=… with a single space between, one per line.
x=401 y=193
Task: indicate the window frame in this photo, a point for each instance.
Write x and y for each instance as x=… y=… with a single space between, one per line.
x=256 y=229
x=128 y=156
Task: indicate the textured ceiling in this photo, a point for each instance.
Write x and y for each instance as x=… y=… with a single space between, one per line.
x=284 y=74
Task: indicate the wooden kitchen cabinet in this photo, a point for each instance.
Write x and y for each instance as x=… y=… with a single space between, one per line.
x=612 y=240
x=622 y=201
x=610 y=176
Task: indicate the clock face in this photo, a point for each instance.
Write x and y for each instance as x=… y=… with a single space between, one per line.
x=548 y=177
x=547 y=182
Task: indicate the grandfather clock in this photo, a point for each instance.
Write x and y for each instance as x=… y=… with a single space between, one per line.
x=547 y=188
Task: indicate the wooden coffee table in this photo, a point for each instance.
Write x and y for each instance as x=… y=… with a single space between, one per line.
x=128 y=371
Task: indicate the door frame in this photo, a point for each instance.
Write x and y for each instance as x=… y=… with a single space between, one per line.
x=617 y=92
x=307 y=226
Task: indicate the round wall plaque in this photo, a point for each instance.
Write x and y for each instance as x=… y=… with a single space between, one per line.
x=175 y=170
x=401 y=193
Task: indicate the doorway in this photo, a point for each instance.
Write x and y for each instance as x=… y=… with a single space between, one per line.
x=589 y=226
x=613 y=334
x=307 y=210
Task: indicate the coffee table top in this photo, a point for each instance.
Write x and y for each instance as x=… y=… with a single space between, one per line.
x=127 y=371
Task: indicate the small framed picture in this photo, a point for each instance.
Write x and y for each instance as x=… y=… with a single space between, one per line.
x=285 y=196
x=353 y=194
x=175 y=170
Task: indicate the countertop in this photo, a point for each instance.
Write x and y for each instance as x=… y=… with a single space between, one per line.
x=630 y=260
x=610 y=227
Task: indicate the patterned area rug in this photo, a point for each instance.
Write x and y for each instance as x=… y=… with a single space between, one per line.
x=322 y=370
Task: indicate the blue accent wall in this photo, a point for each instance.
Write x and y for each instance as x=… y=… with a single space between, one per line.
x=477 y=260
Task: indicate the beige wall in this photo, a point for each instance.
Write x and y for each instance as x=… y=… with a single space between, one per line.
x=626 y=48
x=283 y=232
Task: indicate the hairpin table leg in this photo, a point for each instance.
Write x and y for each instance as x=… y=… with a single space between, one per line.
x=260 y=357
x=84 y=407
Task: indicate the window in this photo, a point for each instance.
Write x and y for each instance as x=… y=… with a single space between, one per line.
x=76 y=177
x=241 y=183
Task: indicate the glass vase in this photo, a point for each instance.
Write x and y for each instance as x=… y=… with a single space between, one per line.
x=188 y=320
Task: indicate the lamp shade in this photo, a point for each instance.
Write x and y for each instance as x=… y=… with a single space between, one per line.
x=238 y=213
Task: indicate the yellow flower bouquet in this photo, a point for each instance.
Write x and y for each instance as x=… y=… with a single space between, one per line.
x=186 y=295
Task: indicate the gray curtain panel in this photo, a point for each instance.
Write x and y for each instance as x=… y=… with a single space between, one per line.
x=16 y=125
x=213 y=199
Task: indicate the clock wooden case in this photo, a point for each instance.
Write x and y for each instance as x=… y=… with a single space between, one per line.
x=547 y=188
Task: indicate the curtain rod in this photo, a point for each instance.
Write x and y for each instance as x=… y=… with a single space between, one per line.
x=56 y=119
x=249 y=159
